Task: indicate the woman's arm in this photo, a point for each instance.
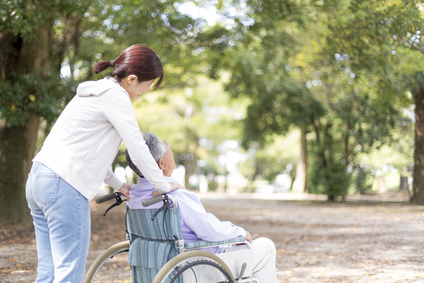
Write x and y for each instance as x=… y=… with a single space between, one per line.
x=112 y=180
x=120 y=113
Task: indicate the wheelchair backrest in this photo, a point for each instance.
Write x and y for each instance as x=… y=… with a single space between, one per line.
x=153 y=242
x=165 y=226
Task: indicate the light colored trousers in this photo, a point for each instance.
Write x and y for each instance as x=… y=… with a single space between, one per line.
x=264 y=254
x=61 y=217
x=263 y=259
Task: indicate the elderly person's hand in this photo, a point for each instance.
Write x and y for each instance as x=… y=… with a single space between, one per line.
x=248 y=237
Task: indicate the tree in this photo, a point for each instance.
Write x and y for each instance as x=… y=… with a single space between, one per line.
x=417 y=90
x=345 y=71
x=260 y=64
x=30 y=88
x=391 y=37
x=36 y=38
x=257 y=49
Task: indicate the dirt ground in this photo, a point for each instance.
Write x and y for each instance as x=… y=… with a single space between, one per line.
x=366 y=239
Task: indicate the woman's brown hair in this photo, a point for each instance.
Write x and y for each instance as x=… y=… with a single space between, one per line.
x=138 y=60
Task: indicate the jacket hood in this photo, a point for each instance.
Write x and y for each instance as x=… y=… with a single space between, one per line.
x=96 y=88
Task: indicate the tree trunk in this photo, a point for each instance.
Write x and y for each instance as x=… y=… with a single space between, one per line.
x=300 y=183
x=17 y=146
x=346 y=151
x=418 y=183
x=17 y=142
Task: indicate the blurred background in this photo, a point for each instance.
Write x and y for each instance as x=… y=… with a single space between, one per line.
x=306 y=96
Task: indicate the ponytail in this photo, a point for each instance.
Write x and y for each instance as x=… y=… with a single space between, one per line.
x=137 y=60
x=103 y=65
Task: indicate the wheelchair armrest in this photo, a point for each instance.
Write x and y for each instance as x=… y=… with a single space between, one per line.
x=207 y=244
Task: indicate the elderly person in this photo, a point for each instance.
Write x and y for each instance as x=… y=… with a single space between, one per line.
x=196 y=223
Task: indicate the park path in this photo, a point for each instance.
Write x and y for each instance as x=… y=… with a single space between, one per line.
x=367 y=239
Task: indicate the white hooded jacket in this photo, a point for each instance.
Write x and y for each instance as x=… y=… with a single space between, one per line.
x=87 y=135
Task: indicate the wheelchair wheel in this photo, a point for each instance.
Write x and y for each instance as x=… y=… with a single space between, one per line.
x=111 y=266
x=194 y=267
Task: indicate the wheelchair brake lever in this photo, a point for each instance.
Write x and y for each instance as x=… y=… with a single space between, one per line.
x=165 y=205
x=117 y=202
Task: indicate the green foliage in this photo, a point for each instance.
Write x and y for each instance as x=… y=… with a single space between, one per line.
x=45 y=95
x=112 y=26
x=363 y=179
x=383 y=26
x=338 y=69
x=329 y=179
x=23 y=17
x=20 y=17
x=330 y=67
x=328 y=165
x=269 y=160
x=27 y=88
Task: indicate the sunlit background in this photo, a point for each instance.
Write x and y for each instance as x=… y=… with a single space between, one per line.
x=259 y=96
x=231 y=111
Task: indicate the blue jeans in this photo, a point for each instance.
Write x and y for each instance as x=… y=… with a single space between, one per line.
x=61 y=218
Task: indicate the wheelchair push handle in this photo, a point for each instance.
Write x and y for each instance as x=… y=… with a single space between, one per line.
x=107 y=197
x=153 y=200
x=119 y=198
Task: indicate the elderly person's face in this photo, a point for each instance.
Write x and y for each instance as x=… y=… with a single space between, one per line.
x=167 y=162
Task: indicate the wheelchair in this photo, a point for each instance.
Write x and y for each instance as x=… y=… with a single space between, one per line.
x=158 y=253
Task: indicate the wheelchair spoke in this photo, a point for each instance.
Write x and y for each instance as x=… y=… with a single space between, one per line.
x=200 y=271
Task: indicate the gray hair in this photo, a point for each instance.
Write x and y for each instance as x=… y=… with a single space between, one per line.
x=156 y=149
x=155 y=146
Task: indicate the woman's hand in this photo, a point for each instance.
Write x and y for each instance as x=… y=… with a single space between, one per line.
x=125 y=190
x=174 y=186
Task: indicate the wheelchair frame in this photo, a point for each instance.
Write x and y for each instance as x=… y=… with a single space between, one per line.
x=189 y=255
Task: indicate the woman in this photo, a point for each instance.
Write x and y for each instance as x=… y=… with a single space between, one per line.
x=76 y=158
